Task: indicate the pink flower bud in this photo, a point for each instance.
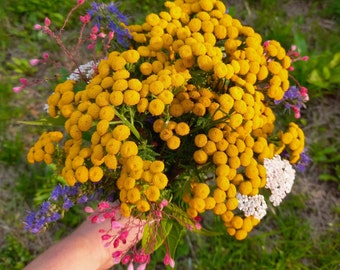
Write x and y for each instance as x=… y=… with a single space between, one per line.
x=47 y=22
x=34 y=62
x=17 y=89
x=305 y=58
x=116 y=225
x=85 y=19
x=103 y=205
x=266 y=43
x=169 y=261
x=91 y=46
x=126 y=260
x=164 y=203
x=23 y=81
x=106 y=237
x=95 y=29
x=116 y=254
x=293 y=48
x=37 y=27
x=93 y=36
x=80 y=2
x=45 y=55
x=102 y=35
x=111 y=35
x=297 y=113
x=89 y=209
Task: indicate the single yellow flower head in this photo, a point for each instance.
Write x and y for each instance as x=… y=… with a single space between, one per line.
x=143 y=206
x=198 y=204
x=131 y=56
x=134 y=163
x=121 y=132
x=200 y=140
x=222 y=182
x=200 y=157
x=82 y=174
x=219 y=209
x=125 y=210
x=173 y=143
x=160 y=180
x=128 y=149
x=110 y=161
x=201 y=190
x=96 y=174
x=133 y=195
x=156 y=107
x=182 y=129
x=157 y=166
x=152 y=193
x=219 y=195
x=241 y=234
x=219 y=158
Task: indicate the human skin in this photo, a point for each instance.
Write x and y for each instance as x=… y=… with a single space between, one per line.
x=84 y=249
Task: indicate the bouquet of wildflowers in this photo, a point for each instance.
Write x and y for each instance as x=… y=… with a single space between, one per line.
x=181 y=117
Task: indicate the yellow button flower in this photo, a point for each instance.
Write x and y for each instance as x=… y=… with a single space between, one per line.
x=128 y=149
x=156 y=107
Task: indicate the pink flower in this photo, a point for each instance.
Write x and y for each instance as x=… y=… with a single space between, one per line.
x=17 y=89
x=103 y=205
x=37 y=27
x=91 y=46
x=110 y=36
x=45 y=55
x=102 y=35
x=95 y=29
x=23 y=81
x=116 y=256
x=266 y=43
x=297 y=113
x=127 y=259
x=34 y=61
x=89 y=209
x=164 y=203
x=85 y=19
x=47 y=22
x=116 y=225
x=106 y=237
x=169 y=261
x=93 y=36
x=80 y=2
x=123 y=236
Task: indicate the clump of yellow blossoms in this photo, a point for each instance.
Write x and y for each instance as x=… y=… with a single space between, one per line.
x=186 y=114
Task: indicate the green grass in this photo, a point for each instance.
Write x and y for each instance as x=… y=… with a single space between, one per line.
x=284 y=240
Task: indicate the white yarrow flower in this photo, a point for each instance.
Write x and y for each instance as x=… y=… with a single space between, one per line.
x=252 y=205
x=280 y=178
x=86 y=70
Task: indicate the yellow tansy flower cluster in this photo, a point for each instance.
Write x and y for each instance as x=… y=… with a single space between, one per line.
x=197 y=86
x=44 y=148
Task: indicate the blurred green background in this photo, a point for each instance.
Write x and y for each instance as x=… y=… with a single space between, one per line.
x=303 y=233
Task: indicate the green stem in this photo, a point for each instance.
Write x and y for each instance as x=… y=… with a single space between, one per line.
x=129 y=124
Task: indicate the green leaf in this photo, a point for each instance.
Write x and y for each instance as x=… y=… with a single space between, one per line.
x=155 y=234
x=183 y=219
x=59 y=121
x=300 y=43
x=174 y=238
